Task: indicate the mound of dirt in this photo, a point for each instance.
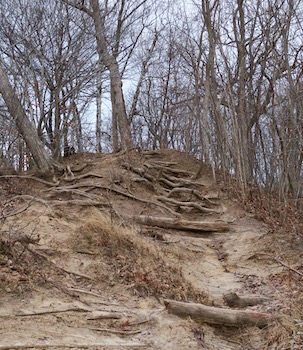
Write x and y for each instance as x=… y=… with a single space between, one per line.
x=111 y=254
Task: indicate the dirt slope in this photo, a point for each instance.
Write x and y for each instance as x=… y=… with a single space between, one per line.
x=78 y=271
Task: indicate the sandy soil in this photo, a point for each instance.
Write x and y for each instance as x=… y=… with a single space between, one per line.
x=94 y=279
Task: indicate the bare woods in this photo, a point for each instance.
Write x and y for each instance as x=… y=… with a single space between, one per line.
x=215 y=78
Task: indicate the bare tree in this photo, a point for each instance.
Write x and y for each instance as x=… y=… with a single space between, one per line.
x=109 y=57
x=24 y=126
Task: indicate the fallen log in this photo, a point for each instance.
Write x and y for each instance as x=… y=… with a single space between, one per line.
x=242 y=301
x=219 y=316
x=181 y=224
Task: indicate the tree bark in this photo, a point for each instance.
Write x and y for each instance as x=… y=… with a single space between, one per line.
x=218 y=316
x=99 y=105
x=24 y=126
x=181 y=224
x=117 y=98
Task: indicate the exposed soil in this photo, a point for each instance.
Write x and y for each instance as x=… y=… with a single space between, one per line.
x=77 y=270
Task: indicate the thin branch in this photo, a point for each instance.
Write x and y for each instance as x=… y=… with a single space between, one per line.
x=287 y=266
x=79 y=6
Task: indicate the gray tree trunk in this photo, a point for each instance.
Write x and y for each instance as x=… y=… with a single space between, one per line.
x=117 y=97
x=24 y=126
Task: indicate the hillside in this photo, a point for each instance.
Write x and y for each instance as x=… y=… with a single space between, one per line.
x=98 y=258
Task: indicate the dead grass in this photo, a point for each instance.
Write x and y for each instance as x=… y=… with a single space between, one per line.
x=135 y=261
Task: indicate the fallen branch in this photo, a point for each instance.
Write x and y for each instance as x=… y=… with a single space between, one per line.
x=242 y=301
x=218 y=316
x=286 y=265
x=181 y=224
x=277 y=261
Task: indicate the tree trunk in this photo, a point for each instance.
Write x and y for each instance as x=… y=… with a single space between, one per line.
x=118 y=105
x=119 y=115
x=24 y=126
x=99 y=109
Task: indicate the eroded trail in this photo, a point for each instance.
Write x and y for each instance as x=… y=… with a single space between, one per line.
x=96 y=278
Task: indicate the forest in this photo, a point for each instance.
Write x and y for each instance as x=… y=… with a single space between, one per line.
x=217 y=79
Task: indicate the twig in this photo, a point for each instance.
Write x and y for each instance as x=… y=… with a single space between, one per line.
x=285 y=265
x=58 y=268
x=69 y=309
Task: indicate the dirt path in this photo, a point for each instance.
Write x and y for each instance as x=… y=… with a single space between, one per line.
x=93 y=284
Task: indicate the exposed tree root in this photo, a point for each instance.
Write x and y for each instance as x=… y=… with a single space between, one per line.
x=128 y=195
x=53 y=311
x=75 y=192
x=84 y=176
x=139 y=171
x=56 y=267
x=188 y=205
x=114 y=331
x=26 y=197
x=168 y=169
x=192 y=192
x=182 y=182
x=101 y=345
x=34 y=178
x=147 y=183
